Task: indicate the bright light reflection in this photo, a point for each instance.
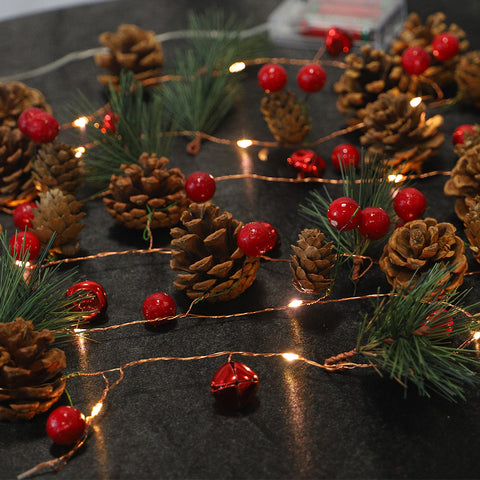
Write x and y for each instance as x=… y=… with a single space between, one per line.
x=244 y=143
x=79 y=151
x=290 y=356
x=396 y=178
x=236 y=67
x=415 y=102
x=476 y=335
x=80 y=122
x=96 y=409
x=295 y=303
x=79 y=331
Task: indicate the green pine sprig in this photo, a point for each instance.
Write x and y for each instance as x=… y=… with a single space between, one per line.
x=397 y=340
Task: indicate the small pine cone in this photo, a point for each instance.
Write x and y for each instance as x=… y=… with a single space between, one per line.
x=132 y=49
x=147 y=189
x=15 y=97
x=16 y=183
x=286 y=117
x=313 y=262
x=56 y=166
x=472 y=225
x=59 y=213
x=464 y=180
x=400 y=132
x=470 y=140
x=467 y=76
x=369 y=74
x=30 y=372
x=205 y=251
x=417 y=246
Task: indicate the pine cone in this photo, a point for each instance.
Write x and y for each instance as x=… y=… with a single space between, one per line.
x=472 y=225
x=30 y=373
x=56 y=166
x=16 y=184
x=15 y=97
x=418 y=35
x=313 y=262
x=147 y=185
x=417 y=246
x=368 y=75
x=286 y=117
x=400 y=132
x=205 y=251
x=132 y=49
x=464 y=180
x=60 y=213
x=470 y=140
x=467 y=76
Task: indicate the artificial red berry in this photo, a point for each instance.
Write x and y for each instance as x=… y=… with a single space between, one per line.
x=23 y=214
x=344 y=214
x=159 y=305
x=311 y=78
x=415 y=60
x=409 y=204
x=459 y=133
x=65 y=425
x=200 y=187
x=344 y=155
x=374 y=223
x=445 y=46
x=337 y=42
x=445 y=325
x=110 y=121
x=274 y=235
x=255 y=239
x=272 y=77
x=26 y=242
x=39 y=125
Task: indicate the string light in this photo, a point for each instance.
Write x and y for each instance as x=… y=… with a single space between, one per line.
x=80 y=122
x=415 y=102
x=396 y=178
x=476 y=335
x=79 y=151
x=236 y=67
x=96 y=409
x=295 y=303
x=290 y=356
x=244 y=143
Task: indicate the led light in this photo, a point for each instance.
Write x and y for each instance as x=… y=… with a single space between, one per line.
x=415 y=102
x=236 y=67
x=80 y=122
x=244 y=143
x=96 y=409
x=476 y=335
x=396 y=178
x=290 y=356
x=295 y=303
x=79 y=331
x=79 y=151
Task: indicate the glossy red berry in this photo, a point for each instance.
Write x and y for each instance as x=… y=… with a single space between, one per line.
x=337 y=42
x=255 y=239
x=65 y=425
x=415 y=60
x=23 y=215
x=27 y=241
x=39 y=125
x=409 y=204
x=459 y=133
x=200 y=187
x=344 y=155
x=311 y=78
x=344 y=214
x=159 y=305
x=374 y=223
x=438 y=324
x=274 y=235
x=272 y=77
x=445 y=46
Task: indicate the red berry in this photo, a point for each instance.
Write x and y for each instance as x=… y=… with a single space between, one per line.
x=459 y=133
x=25 y=242
x=346 y=155
x=39 y=125
x=200 y=187
x=415 y=60
x=409 y=204
x=374 y=223
x=445 y=46
x=159 y=305
x=65 y=425
x=446 y=325
x=274 y=235
x=344 y=214
x=110 y=121
x=337 y=42
x=23 y=214
x=272 y=77
x=255 y=239
x=311 y=78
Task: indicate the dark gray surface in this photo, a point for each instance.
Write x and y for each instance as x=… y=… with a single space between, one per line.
x=161 y=421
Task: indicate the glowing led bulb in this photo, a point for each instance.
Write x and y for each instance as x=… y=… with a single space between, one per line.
x=244 y=143
x=415 y=102
x=290 y=356
x=79 y=151
x=236 y=67
x=396 y=178
x=96 y=409
x=80 y=122
x=476 y=335
x=295 y=303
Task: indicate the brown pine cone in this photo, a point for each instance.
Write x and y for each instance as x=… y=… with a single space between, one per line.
x=400 y=133
x=470 y=140
x=286 y=117
x=205 y=251
x=417 y=246
x=15 y=97
x=464 y=179
x=56 y=166
x=472 y=225
x=132 y=49
x=16 y=184
x=147 y=189
x=30 y=372
x=369 y=74
x=467 y=76
x=313 y=262
x=60 y=213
